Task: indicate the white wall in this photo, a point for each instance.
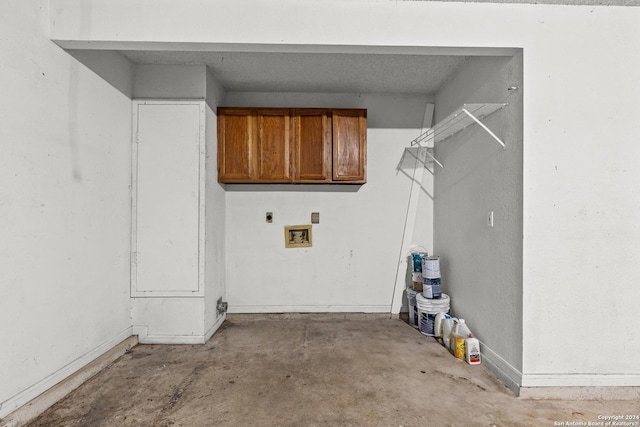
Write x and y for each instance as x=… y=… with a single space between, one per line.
x=64 y=207
x=580 y=214
x=188 y=319
x=481 y=266
x=215 y=253
x=158 y=81
x=352 y=263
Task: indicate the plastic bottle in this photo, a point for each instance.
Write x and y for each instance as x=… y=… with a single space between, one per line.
x=473 y=351
x=442 y=328
x=450 y=340
x=460 y=334
x=437 y=324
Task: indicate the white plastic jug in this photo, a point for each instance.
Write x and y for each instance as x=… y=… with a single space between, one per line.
x=448 y=339
x=437 y=324
x=442 y=326
x=459 y=336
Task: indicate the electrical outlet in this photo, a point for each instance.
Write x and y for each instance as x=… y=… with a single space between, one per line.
x=269 y=217
x=315 y=217
x=490 y=218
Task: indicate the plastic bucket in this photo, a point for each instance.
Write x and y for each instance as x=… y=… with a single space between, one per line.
x=428 y=309
x=413 y=308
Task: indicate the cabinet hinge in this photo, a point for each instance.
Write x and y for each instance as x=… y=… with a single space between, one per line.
x=134 y=257
x=137 y=138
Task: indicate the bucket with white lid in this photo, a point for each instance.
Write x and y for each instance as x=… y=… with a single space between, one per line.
x=428 y=309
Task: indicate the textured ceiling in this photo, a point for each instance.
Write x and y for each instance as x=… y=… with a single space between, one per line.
x=316 y=72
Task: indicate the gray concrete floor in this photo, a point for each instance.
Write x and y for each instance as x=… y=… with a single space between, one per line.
x=308 y=371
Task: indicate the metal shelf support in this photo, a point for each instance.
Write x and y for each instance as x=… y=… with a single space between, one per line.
x=482 y=125
x=464 y=116
x=434 y=159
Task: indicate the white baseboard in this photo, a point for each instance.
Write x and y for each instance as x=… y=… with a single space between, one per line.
x=562 y=386
x=141 y=331
x=503 y=370
x=216 y=325
x=144 y=337
x=581 y=380
x=581 y=386
x=580 y=393
x=172 y=339
x=23 y=407
x=246 y=309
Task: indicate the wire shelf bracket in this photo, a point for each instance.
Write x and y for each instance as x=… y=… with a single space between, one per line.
x=464 y=116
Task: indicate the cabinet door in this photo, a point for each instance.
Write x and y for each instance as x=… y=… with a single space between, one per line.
x=273 y=152
x=237 y=142
x=349 y=145
x=312 y=159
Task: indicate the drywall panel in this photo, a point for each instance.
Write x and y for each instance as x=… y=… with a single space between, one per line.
x=162 y=81
x=313 y=27
x=580 y=225
x=168 y=320
x=215 y=213
x=113 y=67
x=581 y=228
x=356 y=246
x=393 y=111
x=64 y=208
x=481 y=264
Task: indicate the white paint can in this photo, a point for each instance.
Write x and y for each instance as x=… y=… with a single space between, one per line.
x=416 y=266
x=431 y=267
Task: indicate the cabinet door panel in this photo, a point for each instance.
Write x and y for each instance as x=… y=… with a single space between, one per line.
x=312 y=146
x=236 y=145
x=166 y=220
x=274 y=130
x=349 y=145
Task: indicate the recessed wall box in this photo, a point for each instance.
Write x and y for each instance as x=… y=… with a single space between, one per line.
x=297 y=236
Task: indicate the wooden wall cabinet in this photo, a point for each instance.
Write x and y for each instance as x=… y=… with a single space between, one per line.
x=349 y=146
x=237 y=145
x=301 y=145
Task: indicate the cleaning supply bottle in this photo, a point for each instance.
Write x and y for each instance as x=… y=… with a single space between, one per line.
x=460 y=334
x=443 y=325
x=473 y=351
x=450 y=339
x=437 y=324
x=447 y=327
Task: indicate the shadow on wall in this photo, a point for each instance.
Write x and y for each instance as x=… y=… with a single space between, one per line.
x=306 y=188
x=384 y=111
x=112 y=67
x=413 y=158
